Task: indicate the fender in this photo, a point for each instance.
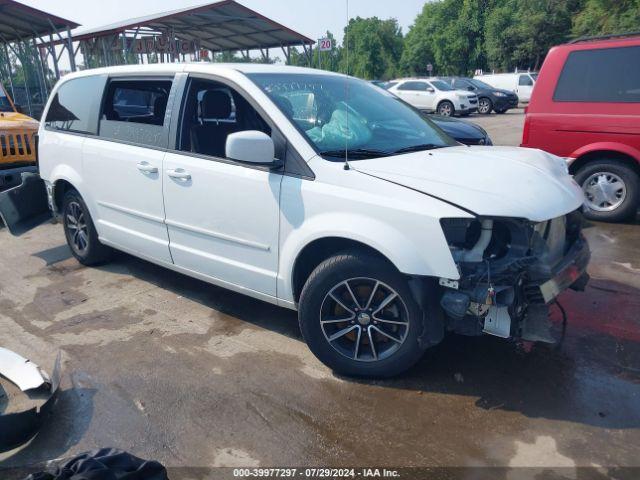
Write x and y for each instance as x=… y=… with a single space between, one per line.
x=433 y=258
x=67 y=173
x=607 y=146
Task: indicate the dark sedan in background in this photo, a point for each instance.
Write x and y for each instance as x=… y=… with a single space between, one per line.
x=464 y=132
x=461 y=131
x=489 y=98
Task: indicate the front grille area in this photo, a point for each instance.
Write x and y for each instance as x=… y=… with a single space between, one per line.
x=16 y=146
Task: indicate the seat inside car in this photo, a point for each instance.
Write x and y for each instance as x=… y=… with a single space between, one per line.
x=159 y=109
x=209 y=135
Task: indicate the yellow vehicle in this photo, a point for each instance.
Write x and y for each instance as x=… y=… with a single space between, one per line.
x=17 y=142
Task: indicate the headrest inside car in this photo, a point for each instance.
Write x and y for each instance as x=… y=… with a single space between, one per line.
x=215 y=104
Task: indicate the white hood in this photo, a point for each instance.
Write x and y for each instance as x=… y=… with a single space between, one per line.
x=488 y=181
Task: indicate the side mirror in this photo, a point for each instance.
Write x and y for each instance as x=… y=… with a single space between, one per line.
x=470 y=88
x=251 y=146
x=431 y=90
x=19 y=109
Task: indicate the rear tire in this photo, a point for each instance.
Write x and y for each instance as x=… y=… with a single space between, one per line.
x=80 y=232
x=340 y=328
x=446 y=109
x=485 y=106
x=612 y=190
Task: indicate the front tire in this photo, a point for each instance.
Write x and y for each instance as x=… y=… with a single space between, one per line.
x=446 y=109
x=485 y=106
x=612 y=190
x=80 y=232
x=358 y=316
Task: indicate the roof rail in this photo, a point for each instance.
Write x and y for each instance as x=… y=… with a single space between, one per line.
x=605 y=37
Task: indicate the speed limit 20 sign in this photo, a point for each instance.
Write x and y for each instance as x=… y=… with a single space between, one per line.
x=325 y=44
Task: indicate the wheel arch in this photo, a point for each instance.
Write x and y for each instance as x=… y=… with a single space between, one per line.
x=317 y=251
x=60 y=188
x=606 y=151
x=419 y=251
x=443 y=100
x=63 y=178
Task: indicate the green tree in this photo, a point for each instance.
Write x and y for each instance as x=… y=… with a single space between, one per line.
x=601 y=17
x=374 y=47
x=448 y=34
x=519 y=33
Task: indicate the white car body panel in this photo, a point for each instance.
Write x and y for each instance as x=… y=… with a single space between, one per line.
x=20 y=371
x=400 y=223
x=223 y=222
x=532 y=184
x=125 y=188
x=243 y=228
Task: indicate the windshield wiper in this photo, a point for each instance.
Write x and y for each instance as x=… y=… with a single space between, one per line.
x=356 y=153
x=418 y=148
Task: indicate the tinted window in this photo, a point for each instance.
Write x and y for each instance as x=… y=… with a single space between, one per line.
x=440 y=85
x=414 y=86
x=71 y=108
x=480 y=84
x=212 y=111
x=604 y=75
x=461 y=84
x=525 y=81
x=140 y=101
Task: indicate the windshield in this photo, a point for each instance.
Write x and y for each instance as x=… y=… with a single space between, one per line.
x=5 y=104
x=343 y=115
x=481 y=85
x=440 y=85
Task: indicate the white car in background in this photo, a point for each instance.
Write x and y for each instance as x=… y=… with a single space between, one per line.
x=433 y=95
x=519 y=83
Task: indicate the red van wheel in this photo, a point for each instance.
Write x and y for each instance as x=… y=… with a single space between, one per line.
x=611 y=188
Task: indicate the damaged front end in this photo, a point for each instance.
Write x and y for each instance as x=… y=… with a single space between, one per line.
x=511 y=270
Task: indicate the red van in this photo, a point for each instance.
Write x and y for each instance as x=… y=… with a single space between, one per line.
x=586 y=107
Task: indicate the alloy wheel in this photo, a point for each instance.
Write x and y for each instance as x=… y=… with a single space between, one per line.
x=484 y=106
x=76 y=225
x=445 y=110
x=364 y=319
x=605 y=191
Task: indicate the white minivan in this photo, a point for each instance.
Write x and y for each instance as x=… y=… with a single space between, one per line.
x=520 y=83
x=310 y=190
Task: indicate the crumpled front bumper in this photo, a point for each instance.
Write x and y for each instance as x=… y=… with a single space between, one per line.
x=571 y=272
x=509 y=295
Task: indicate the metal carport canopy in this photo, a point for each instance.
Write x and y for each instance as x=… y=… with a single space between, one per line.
x=219 y=26
x=19 y=22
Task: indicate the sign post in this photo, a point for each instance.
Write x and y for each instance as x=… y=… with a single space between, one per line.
x=324 y=45
x=429 y=68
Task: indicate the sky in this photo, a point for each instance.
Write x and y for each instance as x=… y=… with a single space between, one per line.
x=309 y=17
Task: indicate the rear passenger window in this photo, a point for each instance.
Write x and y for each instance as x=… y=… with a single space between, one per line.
x=525 y=81
x=140 y=101
x=414 y=86
x=602 y=75
x=71 y=109
x=134 y=111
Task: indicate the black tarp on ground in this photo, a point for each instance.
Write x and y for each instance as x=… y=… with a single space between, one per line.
x=104 y=464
